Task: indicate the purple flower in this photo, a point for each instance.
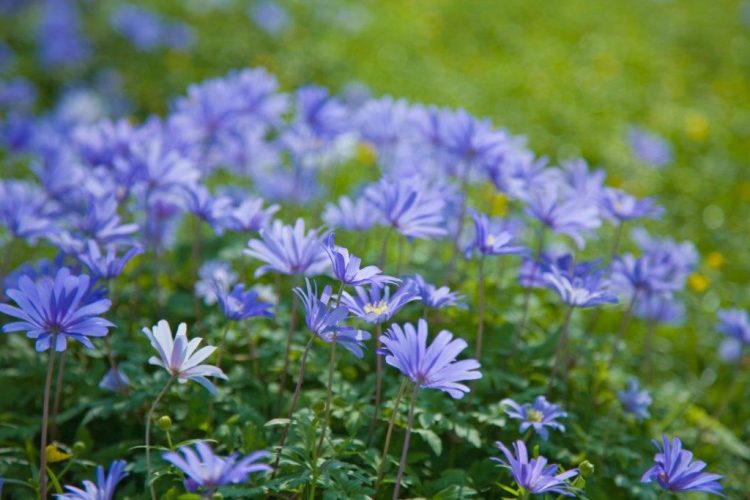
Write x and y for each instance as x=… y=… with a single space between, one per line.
x=17 y=94
x=179 y=357
x=538 y=416
x=649 y=148
x=240 y=304
x=109 y=265
x=207 y=471
x=660 y=308
x=289 y=250
x=142 y=27
x=680 y=258
x=59 y=34
x=634 y=400
x=212 y=274
x=320 y=113
x=115 y=381
x=376 y=304
x=203 y=205
x=249 y=216
x=580 y=182
x=619 y=206
x=357 y=215
x=408 y=207
x=433 y=366
x=24 y=210
x=491 y=237
x=346 y=267
x=565 y=214
x=579 y=286
x=324 y=320
x=469 y=141
x=104 y=489
x=101 y=222
x=735 y=325
x=270 y=17
x=676 y=471
x=643 y=275
x=433 y=297
x=535 y=476
x=55 y=309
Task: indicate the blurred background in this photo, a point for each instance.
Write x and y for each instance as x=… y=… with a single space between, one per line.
x=656 y=92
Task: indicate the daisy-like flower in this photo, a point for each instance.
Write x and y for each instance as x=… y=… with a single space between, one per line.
x=491 y=238
x=289 y=250
x=356 y=215
x=377 y=304
x=114 y=381
x=104 y=489
x=109 y=265
x=55 y=309
x=579 y=286
x=649 y=147
x=434 y=297
x=206 y=471
x=346 y=267
x=212 y=273
x=538 y=416
x=249 y=216
x=239 y=304
x=535 y=476
x=675 y=470
x=735 y=325
x=634 y=400
x=433 y=366
x=619 y=206
x=179 y=357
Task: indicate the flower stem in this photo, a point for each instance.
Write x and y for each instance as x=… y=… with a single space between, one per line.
x=527 y=292
x=195 y=257
x=405 y=448
x=45 y=420
x=150 y=417
x=329 y=396
x=389 y=432
x=561 y=351
x=480 y=307
x=287 y=350
x=221 y=345
x=378 y=383
x=295 y=396
x=623 y=326
x=384 y=249
x=58 y=394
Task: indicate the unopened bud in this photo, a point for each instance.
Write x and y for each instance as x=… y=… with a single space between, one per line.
x=164 y=423
x=586 y=468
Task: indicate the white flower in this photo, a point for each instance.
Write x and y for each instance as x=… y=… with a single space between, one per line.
x=179 y=357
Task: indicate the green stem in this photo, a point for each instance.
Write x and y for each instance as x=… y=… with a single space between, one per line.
x=222 y=344
x=329 y=396
x=287 y=351
x=384 y=249
x=562 y=349
x=58 y=394
x=389 y=432
x=45 y=421
x=527 y=292
x=405 y=448
x=481 y=308
x=150 y=417
x=623 y=326
x=378 y=384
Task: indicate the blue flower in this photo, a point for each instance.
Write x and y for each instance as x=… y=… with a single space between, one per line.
x=24 y=210
x=211 y=274
x=346 y=267
x=376 y=304
x=207 y=471
x=469 y=141
x=579 y=286
x=676 y=471
x=60 y=40
x=240 y=304
x=619 y=206
x=104 y=489
x=324 y=320
x=649 y=148
x=249 y=216
x=114 y=381
x=57 y=309
x=735 y=325
x=179 y=357
x=270 y=17
x=534 y=475
x=106 y=266
x=634 y=400
x=357 y=215
x=433 y=297
x=492 y=237
x=538 y=416
x=320 y=113
x=660 y=308
x=289 y=250
x=681 y=258
x=643 y=275
x=203 y=205
x=101 y=222
x=433 y=366
x=408 y=207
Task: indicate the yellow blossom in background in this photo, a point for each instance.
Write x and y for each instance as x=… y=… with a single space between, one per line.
x=696 y=126
x=715 y=260
x=366 y=153
x=55 y=454
x=499 y=205
x=698 y=282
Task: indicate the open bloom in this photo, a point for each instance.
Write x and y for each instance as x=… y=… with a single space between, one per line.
x=346 y=267
x=240 y=304
x=207 y=471
x=649 y=147
x=249 y=215
x=619 y=206
x=324 y=320
x=675 y=470
x=534 y=475
x=539 y=416
x=104 y=489
x=109 y=265
x=55 y=309
x=432 y=366
x=289 y=250
x=377 y=304
x=635 y=400
x=735 y=324
x=352 y=215
x=491 y=238
x=579 y=286
x=179 y=357
x=434 y=297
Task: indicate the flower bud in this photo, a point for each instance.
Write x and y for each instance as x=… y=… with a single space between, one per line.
x=586 y=468
x=164 y=423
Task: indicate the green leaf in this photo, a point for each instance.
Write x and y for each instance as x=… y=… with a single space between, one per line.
x=432 y=439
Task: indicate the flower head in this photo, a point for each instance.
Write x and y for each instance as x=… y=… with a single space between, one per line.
x=538 y=416
x=408 y=207
x=207 y=471
x=346 y=267
x=104 y=489
x=580 y=285
x=619 y=206
x=635 y=400
x=675 y=470
x=376 y=304
x=432 y=366
x=534 y=475
x=239 y=304
x=55 y=309
x=114 y=381
x=109 y=265
x=356 y=215
x=24 y=210
x=289 y=250
x=249 y=216
x=649 y=147
x=434 y=297
x=735 y=325
x=213 y=273
x=179 y=357
x=491 y=237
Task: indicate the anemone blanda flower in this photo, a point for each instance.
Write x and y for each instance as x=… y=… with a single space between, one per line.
x=539 y=416
x=101 y=222
x=643 y=275
x=211 y=274
x=581 y=286
x=346 y=267
x=24 y=210
x=675 y=470
x=55 y=309
x=735 y=325
x=109 y=265
x=240 y=304
x=352 y=215
x=408 y=207
x=619 y=206
x=662 y=308
x=179 y=357
x=249 y=216
x=206 y=471
x=324 y=320
x=491 y=237
x=376 y=304
x=433 y=366
x=289 y=250
x=635 y=400
x=680 y=257
x=114 y=381
x=104 y=489
x=434 y=297
x=201 y=203
x=534 y=475
x=649 y=147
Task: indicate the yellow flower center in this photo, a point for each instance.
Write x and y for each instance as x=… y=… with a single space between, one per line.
x=534 y=416
x=489 y=241
x=377 y=308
